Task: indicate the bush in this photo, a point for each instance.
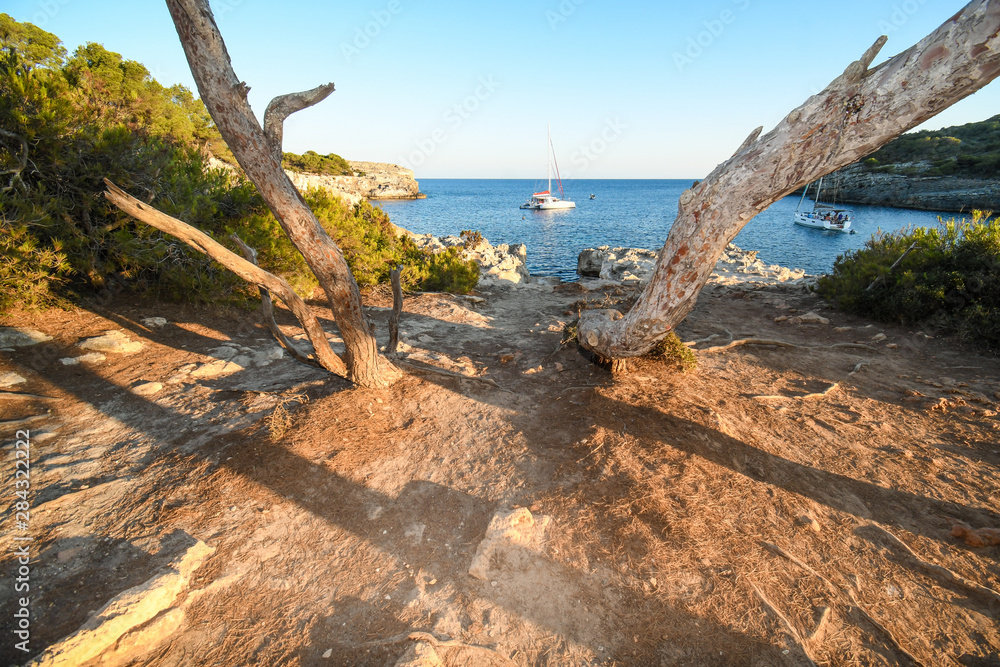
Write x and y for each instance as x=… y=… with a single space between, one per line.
x=950 y=280
x=673 y=350
x=314 y=163
x=97 y=115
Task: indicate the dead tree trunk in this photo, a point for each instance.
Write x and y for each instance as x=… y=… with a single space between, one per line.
x=244 y=268
x=225 y=96
x=860 y=111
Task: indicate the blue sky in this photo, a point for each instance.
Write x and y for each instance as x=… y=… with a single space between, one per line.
x=465 y=89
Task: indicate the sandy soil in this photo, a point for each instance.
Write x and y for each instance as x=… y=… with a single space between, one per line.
x=775 y=506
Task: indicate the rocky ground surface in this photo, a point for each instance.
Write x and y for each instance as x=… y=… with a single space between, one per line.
x=198 y=498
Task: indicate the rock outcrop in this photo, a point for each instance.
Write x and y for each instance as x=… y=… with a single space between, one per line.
x=379 y=181
x=501 y=265
x=376 y=180
x=857 y=185
x=635 y=266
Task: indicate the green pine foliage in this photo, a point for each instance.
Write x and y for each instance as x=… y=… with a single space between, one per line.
x=950 y=280
x=971 y=150
x=314 y=163
x=68 y=122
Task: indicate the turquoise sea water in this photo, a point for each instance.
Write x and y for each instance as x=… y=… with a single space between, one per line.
x=631 y=213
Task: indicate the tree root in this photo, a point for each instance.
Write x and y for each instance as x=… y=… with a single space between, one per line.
x=430 y=370
x=428 y=638
x=846 y=596
x=941 y=573
x=788 y=625
x=781 y=343
x=806 y=397
x=15 y=395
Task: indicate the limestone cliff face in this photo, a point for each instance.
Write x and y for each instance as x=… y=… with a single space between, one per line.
x=929 y=193
x=380 y=181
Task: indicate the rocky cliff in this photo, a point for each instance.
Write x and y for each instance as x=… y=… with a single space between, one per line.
x=857 y=185
x=379 y=181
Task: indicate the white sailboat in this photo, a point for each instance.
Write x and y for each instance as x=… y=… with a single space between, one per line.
x=823 y=216
x=545 y=200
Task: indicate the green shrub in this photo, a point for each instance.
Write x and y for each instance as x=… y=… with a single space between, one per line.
x=673 y=350
x=950 y=280
x=314 y=163
x=97 y=115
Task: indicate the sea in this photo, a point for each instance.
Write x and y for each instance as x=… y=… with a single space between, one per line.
x=625 y=213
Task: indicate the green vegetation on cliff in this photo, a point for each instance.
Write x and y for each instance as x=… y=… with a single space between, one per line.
x=314 y=163
x=950 y=280
x=971 y=150
x=69 y=121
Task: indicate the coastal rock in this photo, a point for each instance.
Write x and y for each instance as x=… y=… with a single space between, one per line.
x=857 y=185
x=501 y=265
x=636 y=265
x=589 y=263
x=373 y=180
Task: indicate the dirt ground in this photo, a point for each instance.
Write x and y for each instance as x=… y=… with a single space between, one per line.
x=779 y=505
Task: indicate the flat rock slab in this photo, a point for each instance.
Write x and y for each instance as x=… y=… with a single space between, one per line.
x=21 y=337
x=126 y=611
x=10 y=379
x=112 y=341
x=512 y=529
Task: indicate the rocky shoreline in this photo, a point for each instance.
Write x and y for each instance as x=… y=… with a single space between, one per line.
x=505 y=265
x=379 y=181
x=857 y=185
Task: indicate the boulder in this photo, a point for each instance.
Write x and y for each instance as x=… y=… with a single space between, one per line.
x=589 y=263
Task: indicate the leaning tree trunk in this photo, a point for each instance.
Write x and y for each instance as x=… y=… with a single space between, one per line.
x=258 y=150
x=860 y=111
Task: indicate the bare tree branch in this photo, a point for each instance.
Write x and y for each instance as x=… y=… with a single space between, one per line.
x=267 y=309
x=225 y=97
x=283 y=106
x=857 y=113
x=249 y=271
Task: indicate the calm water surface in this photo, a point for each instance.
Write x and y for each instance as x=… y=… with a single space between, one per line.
x=631 y=213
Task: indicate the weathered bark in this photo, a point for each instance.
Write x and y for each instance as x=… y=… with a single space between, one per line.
x=249 y=271
x=857 y=113
x=225 y=96
x=283 y=106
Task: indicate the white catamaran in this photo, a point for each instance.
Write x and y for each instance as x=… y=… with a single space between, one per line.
x=823 y=216
x=545 y=200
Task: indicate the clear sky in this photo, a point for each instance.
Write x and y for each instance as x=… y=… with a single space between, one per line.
x=632 y=89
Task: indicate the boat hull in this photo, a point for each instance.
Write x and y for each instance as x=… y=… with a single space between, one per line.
x=548 y=205
x=815 y=222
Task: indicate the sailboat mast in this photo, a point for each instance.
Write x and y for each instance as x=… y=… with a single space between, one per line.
x=549 y=161
x=819 y=191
